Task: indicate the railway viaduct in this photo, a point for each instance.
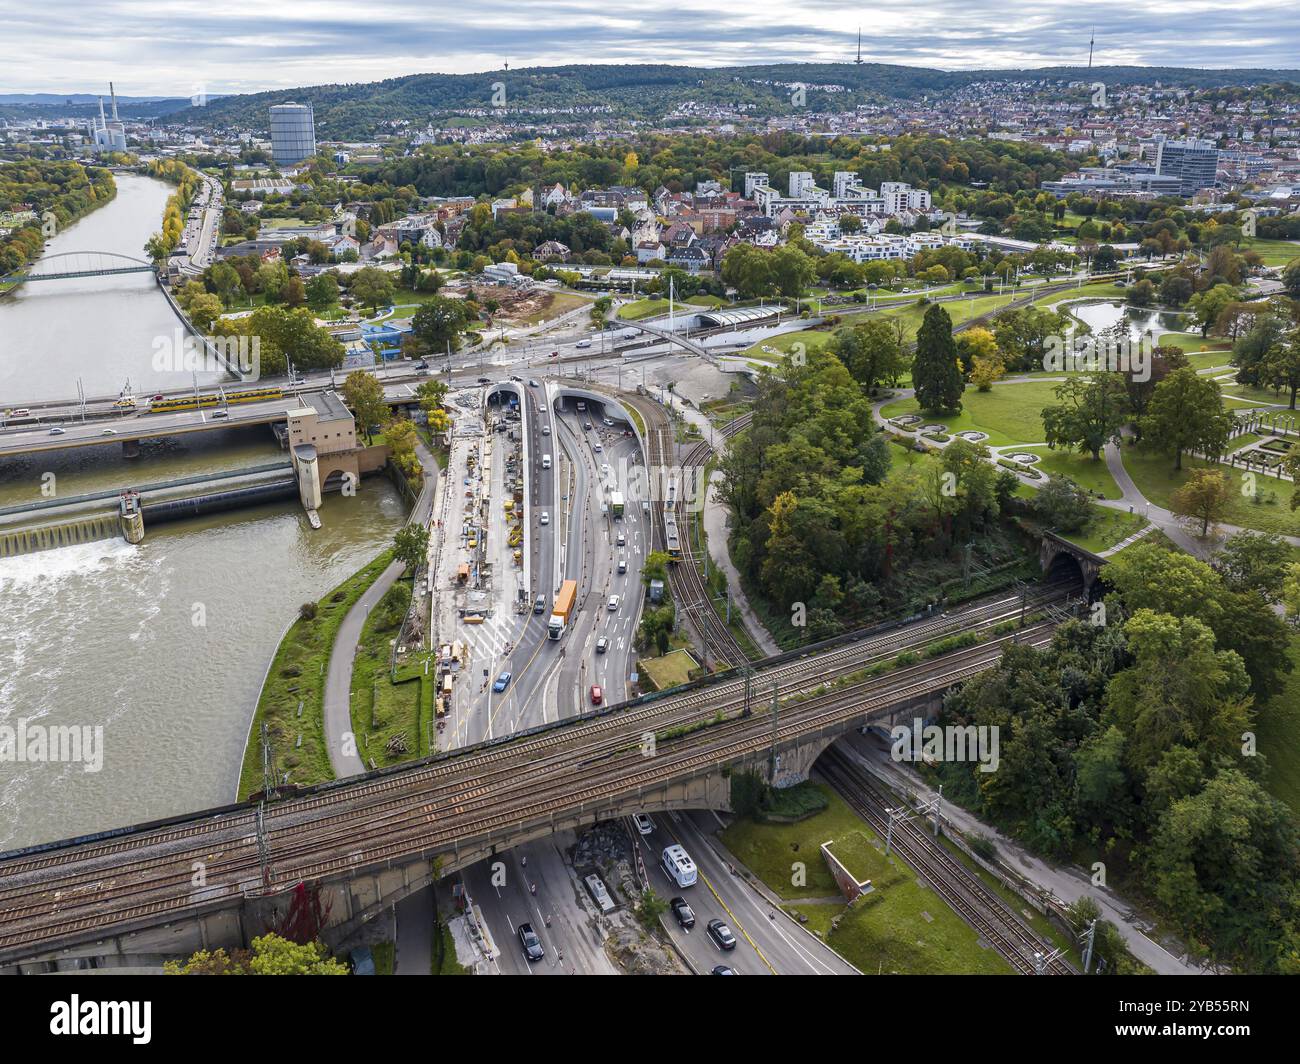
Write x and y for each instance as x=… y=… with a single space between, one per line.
x=221 y=877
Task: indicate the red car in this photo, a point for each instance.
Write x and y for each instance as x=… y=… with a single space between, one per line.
x=597 y=695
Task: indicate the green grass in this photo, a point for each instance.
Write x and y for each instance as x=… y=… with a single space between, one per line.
x=900 y=926
x=649 y=308
x=444 y=960
x=1010 y=413
x=1106 y=528
x=1090 y=474
x=812 y=339
x=385 y=955
x=1154 y=475
x=297 y=674
x=1278 y=729
x=1273 y=252
x=383 y=709
x=671 y=670
x=960 y=311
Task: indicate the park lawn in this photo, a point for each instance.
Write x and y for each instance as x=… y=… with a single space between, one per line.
x=1090 y=475
x=812 y=339
x=297 y=675
x=671 y=670
x=649 y=308
x=960 y=311
x=1278 y=729
x=1011 y=413
x=1154 y=475
x=1273 y=252
x=1106 y=528
x=1095 y=290
x=382 y=709
x=1256 y=396
x=1192 y=342
x=901 y=926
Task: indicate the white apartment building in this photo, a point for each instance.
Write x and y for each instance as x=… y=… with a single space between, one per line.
x=899 y=196
x=846 y=195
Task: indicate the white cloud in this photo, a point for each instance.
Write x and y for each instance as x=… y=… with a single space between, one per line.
x=164 y=47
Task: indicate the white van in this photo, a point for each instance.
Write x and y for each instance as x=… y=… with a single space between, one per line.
x=546 y=461
x=679 y=866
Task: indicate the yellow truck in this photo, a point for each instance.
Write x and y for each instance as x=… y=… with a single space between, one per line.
x=562 y=609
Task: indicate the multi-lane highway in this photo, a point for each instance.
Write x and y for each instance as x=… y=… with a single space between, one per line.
x=767 y=941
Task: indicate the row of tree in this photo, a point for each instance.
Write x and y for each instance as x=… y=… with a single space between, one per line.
x=1133 y=744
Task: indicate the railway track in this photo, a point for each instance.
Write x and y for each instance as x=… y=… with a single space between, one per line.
x=690 y=594
x=965 y=892
x=687 y=582
x=105 y=886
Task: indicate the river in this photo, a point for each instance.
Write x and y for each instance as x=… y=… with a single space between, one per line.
x=103 y=330
x=162 y=645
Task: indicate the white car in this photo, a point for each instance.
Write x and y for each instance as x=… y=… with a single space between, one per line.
x=612 y=605
x=545 y=518
x=546 y=430
x=109 y=432
x=56 y=431
x=583 y=343
x=644 y=825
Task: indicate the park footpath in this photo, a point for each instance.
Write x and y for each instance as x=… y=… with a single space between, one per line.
x=1066 y=884
x=339 y=738
x=1132 y=500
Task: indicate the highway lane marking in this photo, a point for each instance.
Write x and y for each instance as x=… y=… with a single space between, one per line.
x=725 y=908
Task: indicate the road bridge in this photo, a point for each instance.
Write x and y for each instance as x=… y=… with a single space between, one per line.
x=219 y=876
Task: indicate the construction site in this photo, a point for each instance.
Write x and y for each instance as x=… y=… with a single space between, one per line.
x=478 y=578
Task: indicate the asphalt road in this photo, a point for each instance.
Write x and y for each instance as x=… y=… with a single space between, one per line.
x=767 y=941
x=533 y=655
x=594 y=551
x=501 y=887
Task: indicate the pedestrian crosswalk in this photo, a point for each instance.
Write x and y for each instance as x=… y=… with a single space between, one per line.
x=489 y=639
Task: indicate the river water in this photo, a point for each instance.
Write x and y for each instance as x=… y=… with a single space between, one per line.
x=101 y=329
x=162 y=645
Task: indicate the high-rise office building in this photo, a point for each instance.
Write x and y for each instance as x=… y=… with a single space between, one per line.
x=1193 y=162
x=293 y=133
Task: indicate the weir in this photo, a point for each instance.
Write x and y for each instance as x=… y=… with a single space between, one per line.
x=130 y=521
x=67 y=534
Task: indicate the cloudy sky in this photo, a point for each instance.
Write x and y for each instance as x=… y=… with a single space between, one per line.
x=178 y=47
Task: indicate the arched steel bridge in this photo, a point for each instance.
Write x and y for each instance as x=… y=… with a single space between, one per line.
x=80 y=264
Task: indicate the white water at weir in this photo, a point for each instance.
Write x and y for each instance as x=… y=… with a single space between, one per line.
x=104 y=634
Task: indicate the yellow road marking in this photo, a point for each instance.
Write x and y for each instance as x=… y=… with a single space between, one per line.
x=739 y=926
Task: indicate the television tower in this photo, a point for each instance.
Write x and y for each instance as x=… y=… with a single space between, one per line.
x=1091 y=41
x=858 y=60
